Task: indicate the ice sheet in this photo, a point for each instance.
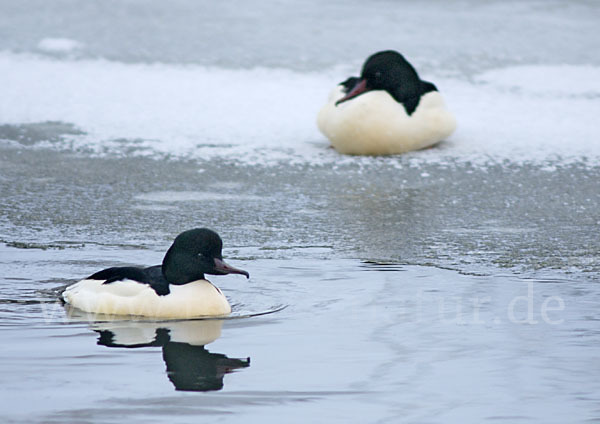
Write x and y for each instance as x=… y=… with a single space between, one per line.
x=259 y=116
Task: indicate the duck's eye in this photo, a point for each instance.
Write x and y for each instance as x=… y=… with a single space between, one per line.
x=378 y=75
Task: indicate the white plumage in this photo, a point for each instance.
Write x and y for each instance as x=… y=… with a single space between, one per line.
x=175 y=289
x=127 y=297
x=376 y=124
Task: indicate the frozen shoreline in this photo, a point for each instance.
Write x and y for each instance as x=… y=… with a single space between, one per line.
x=525 y=219
x=195 y=112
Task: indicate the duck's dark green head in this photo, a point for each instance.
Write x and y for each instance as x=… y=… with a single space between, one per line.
x=195 y=253
x=389 y=71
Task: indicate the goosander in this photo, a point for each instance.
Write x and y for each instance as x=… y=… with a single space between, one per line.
x=175 y=289
x=387 y=110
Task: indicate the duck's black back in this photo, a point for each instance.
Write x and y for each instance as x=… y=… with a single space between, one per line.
x=153 y=276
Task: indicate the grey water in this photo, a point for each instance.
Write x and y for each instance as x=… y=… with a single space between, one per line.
x=415 y=289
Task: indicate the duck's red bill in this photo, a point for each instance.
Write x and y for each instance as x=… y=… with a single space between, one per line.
x=359 y=88
x=224 y=268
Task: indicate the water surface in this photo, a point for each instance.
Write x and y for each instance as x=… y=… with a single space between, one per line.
x=455 y=284
x=358 y=341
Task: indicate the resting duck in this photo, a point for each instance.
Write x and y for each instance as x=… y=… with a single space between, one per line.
x=175 y=289
x=387 y=110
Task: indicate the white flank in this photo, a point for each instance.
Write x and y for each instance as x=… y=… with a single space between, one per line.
x=127 y=297
x=376 y=124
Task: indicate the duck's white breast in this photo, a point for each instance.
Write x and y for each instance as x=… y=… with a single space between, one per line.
x=376 y=124
x=128 y=297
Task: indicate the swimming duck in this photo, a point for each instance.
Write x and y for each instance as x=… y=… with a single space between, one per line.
x=387 y=110
x=175 y=289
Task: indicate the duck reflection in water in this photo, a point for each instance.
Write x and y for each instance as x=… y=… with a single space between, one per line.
x=190 y=366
